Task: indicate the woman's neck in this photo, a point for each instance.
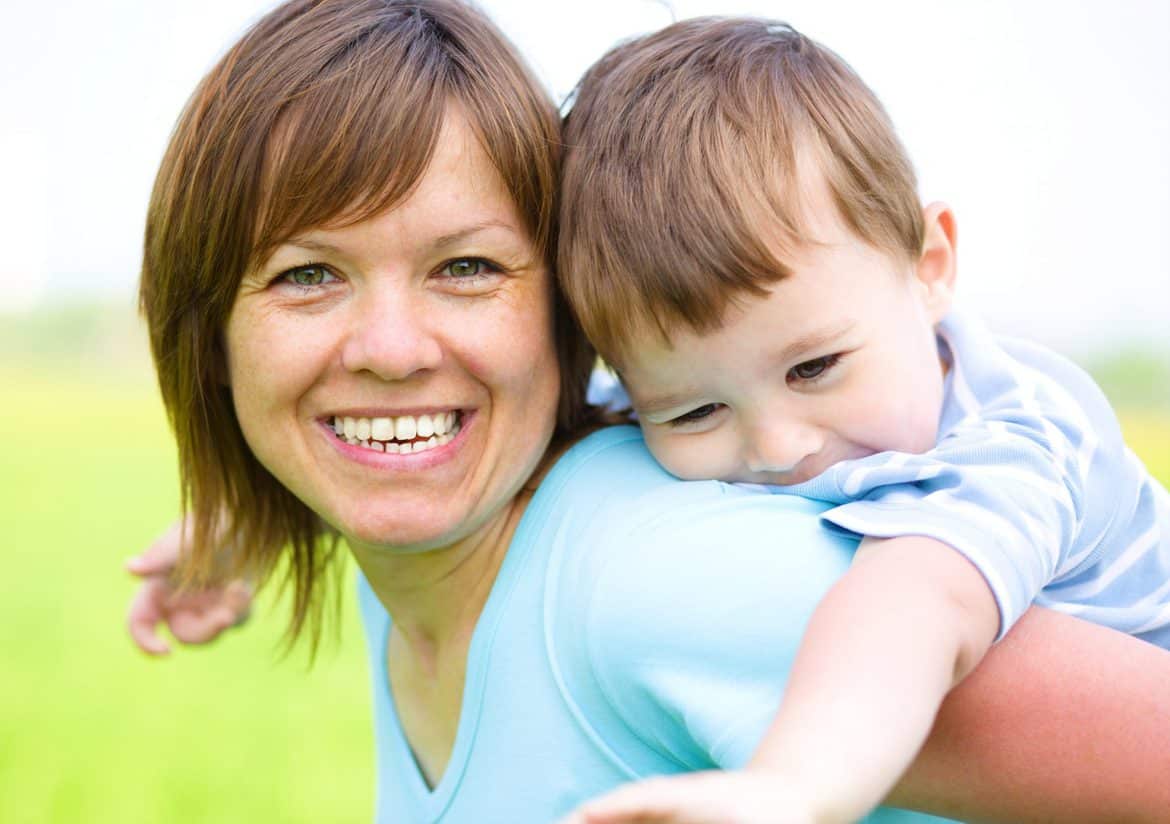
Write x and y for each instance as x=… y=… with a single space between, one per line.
x=435 y=598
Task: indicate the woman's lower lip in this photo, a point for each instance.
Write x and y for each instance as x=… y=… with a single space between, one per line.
x=430 y=455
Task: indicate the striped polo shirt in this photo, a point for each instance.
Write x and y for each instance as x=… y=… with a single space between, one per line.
x=1030 y=480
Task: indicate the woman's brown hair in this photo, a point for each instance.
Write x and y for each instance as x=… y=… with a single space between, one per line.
x=326 y=112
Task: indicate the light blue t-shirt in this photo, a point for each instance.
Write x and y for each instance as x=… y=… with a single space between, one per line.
x=639 y=625
x=1031 y=480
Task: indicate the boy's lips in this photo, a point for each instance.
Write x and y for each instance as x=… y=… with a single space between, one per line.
x=815 y=465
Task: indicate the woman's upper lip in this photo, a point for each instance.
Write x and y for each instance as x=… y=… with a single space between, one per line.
x=391 y=412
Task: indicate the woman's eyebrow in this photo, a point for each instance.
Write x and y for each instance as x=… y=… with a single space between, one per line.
x=453 y=238
x=440 y=242
x=312 y=245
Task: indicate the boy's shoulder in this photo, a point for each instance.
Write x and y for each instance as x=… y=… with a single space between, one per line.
x=998 y=375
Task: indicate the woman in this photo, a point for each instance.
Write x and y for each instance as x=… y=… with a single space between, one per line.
x=348 y=290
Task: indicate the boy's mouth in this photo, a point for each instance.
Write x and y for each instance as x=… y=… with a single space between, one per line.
x=402 y=434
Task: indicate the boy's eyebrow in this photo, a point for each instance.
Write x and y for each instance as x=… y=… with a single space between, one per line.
x=662 y=403
x=810 y=341
x=815 y=339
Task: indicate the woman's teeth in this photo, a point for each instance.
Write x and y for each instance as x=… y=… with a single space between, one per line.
x=399 y=435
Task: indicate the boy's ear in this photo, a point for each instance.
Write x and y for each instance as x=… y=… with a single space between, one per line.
x=935 y=269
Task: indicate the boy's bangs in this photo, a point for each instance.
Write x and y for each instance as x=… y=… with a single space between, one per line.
x=682 y=268
x=695 y=155
x=678 y=232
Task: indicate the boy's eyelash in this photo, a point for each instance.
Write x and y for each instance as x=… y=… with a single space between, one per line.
x=825 y=364
x=696 y=414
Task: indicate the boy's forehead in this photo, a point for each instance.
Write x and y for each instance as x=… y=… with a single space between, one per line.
x=795 y=320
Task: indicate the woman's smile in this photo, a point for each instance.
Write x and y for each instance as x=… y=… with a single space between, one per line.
x=396 y=431
x=397 y=441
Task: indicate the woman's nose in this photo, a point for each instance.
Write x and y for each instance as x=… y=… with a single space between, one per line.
x=391 y=335
x=780 y=445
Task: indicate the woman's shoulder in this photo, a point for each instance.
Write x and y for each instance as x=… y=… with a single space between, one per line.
x=612 y=470
x=659 y=600
x=637 y=514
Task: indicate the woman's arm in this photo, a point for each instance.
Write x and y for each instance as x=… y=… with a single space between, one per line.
x=1062 y=721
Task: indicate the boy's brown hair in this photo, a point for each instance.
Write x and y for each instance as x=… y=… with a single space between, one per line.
x=326 y=112
x=687 y=154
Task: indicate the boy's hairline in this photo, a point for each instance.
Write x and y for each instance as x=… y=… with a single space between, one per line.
x=811 y=177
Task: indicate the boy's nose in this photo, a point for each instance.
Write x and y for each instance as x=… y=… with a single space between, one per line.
x=390 y=337
x=780 y=446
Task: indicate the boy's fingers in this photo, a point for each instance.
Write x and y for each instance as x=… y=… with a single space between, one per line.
x=649 y=800
x=143 y=618
x=238 y=596
x=161 y=556
x=200 y=626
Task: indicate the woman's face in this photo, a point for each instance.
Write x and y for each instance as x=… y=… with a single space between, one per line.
x=399 y=375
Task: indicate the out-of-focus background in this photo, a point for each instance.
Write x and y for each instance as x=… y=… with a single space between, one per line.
x=1045 y=124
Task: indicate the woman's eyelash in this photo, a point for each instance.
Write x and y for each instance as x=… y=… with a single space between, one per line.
x=696 y=414
x=469 y=268
x=811 y=371
x=307 y=276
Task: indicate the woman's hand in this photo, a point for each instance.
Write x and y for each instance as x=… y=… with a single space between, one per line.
x=710 y=797
x=194 y=616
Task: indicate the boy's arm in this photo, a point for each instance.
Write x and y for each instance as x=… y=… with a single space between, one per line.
x=908 y=621
x=1062 y=721
x=194 y=616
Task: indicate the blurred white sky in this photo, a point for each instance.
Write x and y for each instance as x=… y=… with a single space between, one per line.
x=1046 y=124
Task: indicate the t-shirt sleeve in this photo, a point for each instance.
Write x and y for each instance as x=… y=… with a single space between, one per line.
x=694 y=618
x=1007 y=493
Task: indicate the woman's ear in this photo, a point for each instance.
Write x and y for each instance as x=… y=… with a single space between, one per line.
x=935 y=270
x=219 y=371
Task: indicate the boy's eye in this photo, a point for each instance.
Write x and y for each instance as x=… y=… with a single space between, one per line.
x=812 y=369
x=696 y=414
x=312 y=275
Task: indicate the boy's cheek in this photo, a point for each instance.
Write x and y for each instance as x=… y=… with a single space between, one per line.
x=684 y=457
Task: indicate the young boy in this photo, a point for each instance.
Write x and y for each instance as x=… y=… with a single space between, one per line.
x=742 y=239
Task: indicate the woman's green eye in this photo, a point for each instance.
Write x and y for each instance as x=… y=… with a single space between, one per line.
x=466 y=268
x=308 y=276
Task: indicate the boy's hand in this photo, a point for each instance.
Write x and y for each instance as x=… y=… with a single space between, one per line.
x=712 y=797
x=194 y=616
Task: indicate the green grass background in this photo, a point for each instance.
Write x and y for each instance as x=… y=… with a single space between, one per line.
x=92 y=731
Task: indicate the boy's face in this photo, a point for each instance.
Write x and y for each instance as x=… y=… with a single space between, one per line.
x=838 y=361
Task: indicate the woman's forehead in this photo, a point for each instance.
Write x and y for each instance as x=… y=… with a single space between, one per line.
x=447 y=184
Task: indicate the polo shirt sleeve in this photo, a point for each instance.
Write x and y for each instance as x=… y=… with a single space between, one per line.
x=1007 y=492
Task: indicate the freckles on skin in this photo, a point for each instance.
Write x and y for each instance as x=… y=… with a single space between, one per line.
x=300 y=354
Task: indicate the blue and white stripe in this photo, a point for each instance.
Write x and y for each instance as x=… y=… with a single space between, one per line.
x=1031 y=480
